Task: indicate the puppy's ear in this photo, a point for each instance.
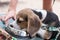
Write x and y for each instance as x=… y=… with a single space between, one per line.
x=34 y=25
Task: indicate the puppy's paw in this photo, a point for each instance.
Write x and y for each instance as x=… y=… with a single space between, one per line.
x=23 y=33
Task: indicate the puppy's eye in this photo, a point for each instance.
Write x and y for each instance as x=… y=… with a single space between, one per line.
x=26 y=19
x=20 y=20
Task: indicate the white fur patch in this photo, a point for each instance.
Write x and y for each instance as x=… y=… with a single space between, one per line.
x=41 y=32
x=15 y=25
x=43 y=12
x=22 y=33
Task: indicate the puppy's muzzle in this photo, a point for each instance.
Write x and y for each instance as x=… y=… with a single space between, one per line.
x=14 y=25
x=16 y=29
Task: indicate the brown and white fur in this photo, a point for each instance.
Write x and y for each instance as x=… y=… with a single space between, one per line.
x=31 y=21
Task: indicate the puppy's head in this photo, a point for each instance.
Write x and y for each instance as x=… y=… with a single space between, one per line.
x=22 y=19
x=26 y=18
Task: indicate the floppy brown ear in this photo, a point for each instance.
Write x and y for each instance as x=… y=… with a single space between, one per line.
x=34 y=25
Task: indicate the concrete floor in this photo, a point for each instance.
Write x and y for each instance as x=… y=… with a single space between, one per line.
x=34 y=4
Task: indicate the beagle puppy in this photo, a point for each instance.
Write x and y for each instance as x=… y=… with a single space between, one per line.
x=31 y=20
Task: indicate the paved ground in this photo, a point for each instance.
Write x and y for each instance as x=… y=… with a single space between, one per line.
x=35 y=4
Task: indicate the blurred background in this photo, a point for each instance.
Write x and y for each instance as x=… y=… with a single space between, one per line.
x=34 y=4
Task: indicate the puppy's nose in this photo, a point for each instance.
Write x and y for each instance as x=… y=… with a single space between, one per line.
x=11 y=25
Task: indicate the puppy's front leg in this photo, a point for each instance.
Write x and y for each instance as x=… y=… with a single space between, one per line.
x=47 y=35
x=44 y=34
